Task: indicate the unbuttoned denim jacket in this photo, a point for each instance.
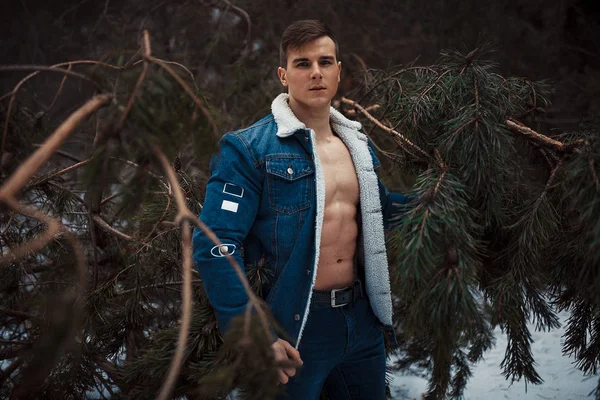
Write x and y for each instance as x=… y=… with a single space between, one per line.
x=266 y=195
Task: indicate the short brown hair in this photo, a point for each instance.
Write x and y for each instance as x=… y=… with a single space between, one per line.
x=300 y=33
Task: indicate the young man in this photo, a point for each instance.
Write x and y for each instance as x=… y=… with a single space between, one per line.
x=299 y=189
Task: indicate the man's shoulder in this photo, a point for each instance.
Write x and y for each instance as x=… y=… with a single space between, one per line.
x=262 y=127
x=258 y=139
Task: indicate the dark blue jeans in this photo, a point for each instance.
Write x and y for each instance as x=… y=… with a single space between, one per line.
x=343 y=351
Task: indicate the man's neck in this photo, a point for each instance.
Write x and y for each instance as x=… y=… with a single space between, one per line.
x=315 y=119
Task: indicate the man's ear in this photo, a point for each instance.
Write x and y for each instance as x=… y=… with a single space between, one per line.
x=281 y=72
x=339 y=65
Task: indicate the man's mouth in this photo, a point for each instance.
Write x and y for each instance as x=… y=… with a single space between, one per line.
x=317 y=88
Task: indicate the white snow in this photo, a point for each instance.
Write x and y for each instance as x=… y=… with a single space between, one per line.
x=562 y=380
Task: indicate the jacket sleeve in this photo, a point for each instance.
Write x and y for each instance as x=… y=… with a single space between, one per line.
x=232 y=199
x=393 y=204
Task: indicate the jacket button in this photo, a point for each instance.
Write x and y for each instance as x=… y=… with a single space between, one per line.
x=290 y=171
x=297 y=317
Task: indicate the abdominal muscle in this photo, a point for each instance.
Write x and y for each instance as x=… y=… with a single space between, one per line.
x=338 y=244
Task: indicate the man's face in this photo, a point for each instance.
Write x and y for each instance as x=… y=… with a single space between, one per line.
x=312 y=73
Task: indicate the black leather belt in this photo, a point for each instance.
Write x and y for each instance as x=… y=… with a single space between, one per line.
x=339 y=297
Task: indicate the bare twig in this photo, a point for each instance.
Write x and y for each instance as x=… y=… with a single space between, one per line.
x=387 y=129
x=245 y=15
x=58 y=173
x=160 y=219
x=104 y=225
x=155 y=286
x=26 y=170
x=593 y=172
x=185 y=87
x=530 y=133
x=147 y=53
x=18 y=314
x=60 y=88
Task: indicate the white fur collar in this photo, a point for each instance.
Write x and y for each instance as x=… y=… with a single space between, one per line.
x=287 y=123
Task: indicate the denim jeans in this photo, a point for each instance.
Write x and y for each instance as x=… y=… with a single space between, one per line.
x=343 y=351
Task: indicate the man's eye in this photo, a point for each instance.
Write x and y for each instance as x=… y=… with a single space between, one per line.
x=302 y=64
x=326 y=62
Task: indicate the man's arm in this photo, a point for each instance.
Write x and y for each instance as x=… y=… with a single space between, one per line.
x=232 y=199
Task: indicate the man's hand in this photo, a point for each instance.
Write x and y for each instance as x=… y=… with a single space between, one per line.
x=285 y=353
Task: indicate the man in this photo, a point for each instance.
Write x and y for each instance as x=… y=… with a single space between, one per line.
x=299 y=189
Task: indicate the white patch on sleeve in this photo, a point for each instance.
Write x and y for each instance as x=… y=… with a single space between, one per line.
x=229 y=206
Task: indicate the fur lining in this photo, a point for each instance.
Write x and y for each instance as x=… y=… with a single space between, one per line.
x=376 y=266
x=287 y=123
x=377 y=275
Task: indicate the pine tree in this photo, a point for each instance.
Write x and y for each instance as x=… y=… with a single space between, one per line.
x=504 y=225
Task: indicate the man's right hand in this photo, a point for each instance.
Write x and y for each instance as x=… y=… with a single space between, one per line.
x=285 y=352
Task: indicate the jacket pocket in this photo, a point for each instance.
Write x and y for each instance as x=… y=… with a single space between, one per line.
x=291 y=183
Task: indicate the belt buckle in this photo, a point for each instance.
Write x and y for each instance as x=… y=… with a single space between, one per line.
x=333 y=292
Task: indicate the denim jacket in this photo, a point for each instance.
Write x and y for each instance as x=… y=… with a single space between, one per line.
x=266 y=195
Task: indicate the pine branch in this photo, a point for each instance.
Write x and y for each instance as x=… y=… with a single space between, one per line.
x=387 y=129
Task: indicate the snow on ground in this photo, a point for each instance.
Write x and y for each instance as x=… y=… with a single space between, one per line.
x=561 y=379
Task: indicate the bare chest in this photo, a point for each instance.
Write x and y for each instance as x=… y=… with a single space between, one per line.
x=341 y=182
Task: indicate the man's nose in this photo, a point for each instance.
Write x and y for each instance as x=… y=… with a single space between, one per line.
x=316 y=72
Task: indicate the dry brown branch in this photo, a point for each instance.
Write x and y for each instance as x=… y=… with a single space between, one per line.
x=160 y=219
x=26 y=170
x=155 y=286
x=387 y=129
x=593 y=172
x=80 y=62
x=187 y=89
x=109 y=198
x=60 y=88
x=370 y=108
x=15 y=342
x=58 y=173
x=244 y=15
x=54 y=227
x=17 y=314
x=185 y=218
x=104 y=225
x=530 y=133
x=146 y=50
